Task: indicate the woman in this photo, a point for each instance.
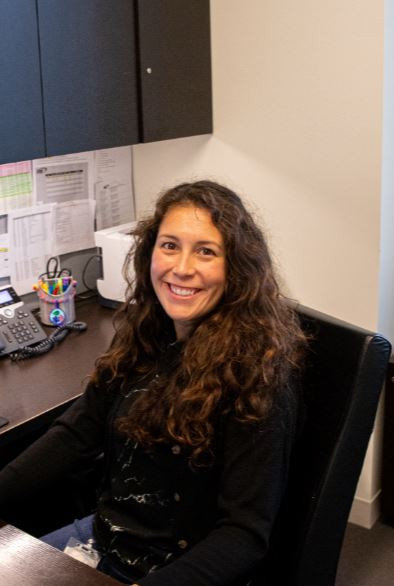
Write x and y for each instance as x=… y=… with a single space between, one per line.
x=194 y=404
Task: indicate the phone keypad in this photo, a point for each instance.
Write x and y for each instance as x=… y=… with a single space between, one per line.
x=21 y=330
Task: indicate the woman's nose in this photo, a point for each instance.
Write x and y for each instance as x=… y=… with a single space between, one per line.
x=184 y=265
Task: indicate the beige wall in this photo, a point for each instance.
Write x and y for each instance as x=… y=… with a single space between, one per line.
x=298 y=94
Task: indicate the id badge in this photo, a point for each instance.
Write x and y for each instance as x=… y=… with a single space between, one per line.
x=83 y=552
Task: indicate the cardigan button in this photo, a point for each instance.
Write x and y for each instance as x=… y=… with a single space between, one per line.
x=182 y=543
x=176 y=449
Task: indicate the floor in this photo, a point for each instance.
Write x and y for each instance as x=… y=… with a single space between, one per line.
x=367 y=557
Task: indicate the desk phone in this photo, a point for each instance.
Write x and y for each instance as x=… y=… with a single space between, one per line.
x=18 y=326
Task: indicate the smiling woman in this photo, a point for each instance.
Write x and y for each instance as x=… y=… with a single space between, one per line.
x=195 y=404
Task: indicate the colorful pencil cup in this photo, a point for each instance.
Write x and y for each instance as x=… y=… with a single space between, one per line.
x=56 y=299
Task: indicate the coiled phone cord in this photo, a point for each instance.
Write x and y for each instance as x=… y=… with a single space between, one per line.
x=57 y=336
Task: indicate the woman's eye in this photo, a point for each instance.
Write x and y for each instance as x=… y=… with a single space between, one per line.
x=206 y=251
x=168 y=245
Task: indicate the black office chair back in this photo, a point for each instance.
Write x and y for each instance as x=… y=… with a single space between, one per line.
x=342 y=381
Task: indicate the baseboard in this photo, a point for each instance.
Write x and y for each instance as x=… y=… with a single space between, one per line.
x=365 y=512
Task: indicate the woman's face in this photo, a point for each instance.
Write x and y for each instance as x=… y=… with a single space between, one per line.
x=188 y=269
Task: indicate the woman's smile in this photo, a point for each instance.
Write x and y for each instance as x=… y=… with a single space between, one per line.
x=182 y=291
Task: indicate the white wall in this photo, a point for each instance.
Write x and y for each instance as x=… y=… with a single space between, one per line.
x=386 y=321
x=298 y=93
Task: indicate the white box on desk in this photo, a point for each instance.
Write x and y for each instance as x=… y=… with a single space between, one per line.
x=115 y=243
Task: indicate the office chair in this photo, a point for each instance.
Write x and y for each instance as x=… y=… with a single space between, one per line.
x=342 y=380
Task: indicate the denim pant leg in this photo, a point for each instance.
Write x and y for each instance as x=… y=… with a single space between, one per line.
x=81 y=529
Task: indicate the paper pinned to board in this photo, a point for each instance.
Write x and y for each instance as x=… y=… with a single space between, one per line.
x=4 y=256
x=4 y=248
x=64 y=178
x=31 y=243
x=113 y=187
x=73 y=226
x=16 y=186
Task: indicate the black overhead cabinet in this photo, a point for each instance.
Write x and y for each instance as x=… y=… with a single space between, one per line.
x=175 y=62
x=85 y=75
x=88 y=74
x=21 y=116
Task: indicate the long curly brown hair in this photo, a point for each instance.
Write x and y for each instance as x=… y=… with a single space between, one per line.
x=236 y=357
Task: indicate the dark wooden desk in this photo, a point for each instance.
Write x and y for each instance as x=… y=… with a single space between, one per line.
x=32 y=394
x=28 y=561
x=34 y=391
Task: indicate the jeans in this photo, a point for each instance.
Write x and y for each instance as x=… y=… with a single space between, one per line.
x=82 y=530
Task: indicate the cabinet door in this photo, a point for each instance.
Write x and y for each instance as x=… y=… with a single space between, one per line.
x=175 y=61
x=88 y=74
x=21 y=119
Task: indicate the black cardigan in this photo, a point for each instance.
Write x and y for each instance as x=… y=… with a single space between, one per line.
x=199 y=527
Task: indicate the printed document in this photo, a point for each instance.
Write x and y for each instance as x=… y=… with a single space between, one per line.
x=73 y=226
x=16 y=186
x=4 y=258
x=30 y=238
x=64 y=178
x=113 y=186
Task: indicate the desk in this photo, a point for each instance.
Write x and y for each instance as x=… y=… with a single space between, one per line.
x=33 y=392
x=28 y=561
